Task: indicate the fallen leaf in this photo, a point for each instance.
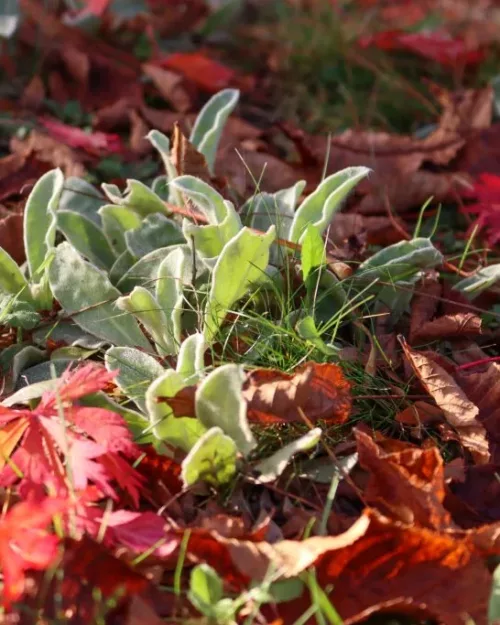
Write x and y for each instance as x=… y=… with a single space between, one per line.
x=424 y=303
x=486 y=192
x=170 y=85
x=48 y=150
x=11 y=232
x=460 y=325
x=204 y=72
x=320 y=391
x=458 y=409
x=405 y=483
x=186 y=158
x=137 y=137
x=94 y=142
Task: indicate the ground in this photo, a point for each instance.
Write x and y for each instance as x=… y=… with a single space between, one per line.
x=249 y=312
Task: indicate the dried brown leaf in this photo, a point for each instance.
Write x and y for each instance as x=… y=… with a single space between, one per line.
x=170 y=85
x=458 y=409
x=460 y=325
x=186 y=158
x=320 y=391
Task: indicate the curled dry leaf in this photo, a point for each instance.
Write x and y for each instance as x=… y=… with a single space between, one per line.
x=483 y=388
x=320 y=391
x=458 y=409
x=405 y=483
x=186 y=158
x=170 y=85
x=460 y=325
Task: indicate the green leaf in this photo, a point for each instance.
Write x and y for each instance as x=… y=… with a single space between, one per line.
x=12 y=281
x=179 y=431
x=399 y=261
x=137 y=197
x=154 y=232
x=211 y=460
x=15 y=360
x=307 y=330
x=480 y=281
x=274 y=209
x=17 y=313
x=88 y=296
x=241 y=265
x=219 y=402
x=144 y=271
x=494 y=604
x=39 y=220
x=136 y=372
x=86 y=237
x=205 y=587
x=171 y=279
x=191 y=361
x=319 y=207
x=9 y=18
x=162 y=144
x=224 y=222
x=210 y=123
x=122 y=264
x=273 y=467
x=313 y=253
x=81 y=197
x=143 y=305
x=116 y=221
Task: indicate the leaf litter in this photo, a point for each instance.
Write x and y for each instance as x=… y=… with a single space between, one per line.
x=392 y=394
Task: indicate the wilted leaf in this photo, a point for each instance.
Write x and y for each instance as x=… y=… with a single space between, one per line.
x=319 y=390
x=459 y=325
x=458 y=409
x=186 y=159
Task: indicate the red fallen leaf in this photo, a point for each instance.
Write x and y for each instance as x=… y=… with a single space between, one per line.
x=92 y=441
x=25 y=543
x=89 y=568
x=95 y=7
x=160 y=469
x=94 y=142
x=436 y=46
x=319 y=390
x=204 y=72
x=486 y=192
x=459 y=325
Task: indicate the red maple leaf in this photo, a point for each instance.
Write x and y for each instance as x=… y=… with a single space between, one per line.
x=62 y=445
x=486 y=192
x=25 y=543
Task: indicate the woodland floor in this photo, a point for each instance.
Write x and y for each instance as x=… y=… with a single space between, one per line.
x=361 y=481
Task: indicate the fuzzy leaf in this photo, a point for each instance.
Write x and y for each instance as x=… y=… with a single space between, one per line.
x=219 y=402
x=86 y=237
x=241 y=264
x=212 y=459
x=12 y=281
x=179 y=431
x=144 y=271
x=136 y=371
x=86 y=293
x=81 y=197
x=273 y=467
x=162 y=144
x=480 y=281
x=169 y=293
x=313 y=253
x=146 y=309
x=9 y=18
x=116 y=221
x=154 y=232
x=137 y=197
x=400 y=260
x=223 y=220
x=39 y=230
x=190 y=362
x=319 y=207
x=210 y=122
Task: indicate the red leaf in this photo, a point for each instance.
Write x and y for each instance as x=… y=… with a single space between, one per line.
x=486 y=192
x=94 y=142
x=203 y=71
x=436 y=46
x=25 y=543
x=83 y=450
